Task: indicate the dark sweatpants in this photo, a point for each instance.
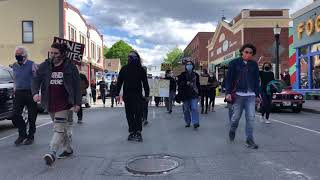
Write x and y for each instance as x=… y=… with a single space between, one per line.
x=24 y=98
x=133 y=106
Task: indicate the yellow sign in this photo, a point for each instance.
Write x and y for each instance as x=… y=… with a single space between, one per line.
x=308 y=27
x=165 y=66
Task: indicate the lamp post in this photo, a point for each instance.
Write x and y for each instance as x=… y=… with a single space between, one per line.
x=276 y=32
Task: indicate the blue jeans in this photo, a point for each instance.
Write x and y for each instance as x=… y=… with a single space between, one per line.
x=246 y=103
x=190 y=110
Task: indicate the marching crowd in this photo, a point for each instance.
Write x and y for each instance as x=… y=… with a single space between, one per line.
x=57 y=85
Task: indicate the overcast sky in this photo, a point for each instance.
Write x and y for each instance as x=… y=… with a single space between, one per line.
x=153 y=27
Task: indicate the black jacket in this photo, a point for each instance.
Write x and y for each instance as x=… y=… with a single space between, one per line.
x=71 y=81
x=265 y=77
x=187 y=92
x=173 y=83
x=113 y=89
x=132 y=77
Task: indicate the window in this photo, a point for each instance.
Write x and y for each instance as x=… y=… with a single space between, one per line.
x=27 y=31
x=315 y=48
x=83 y=40
x=93 y=50
x=316 y=71
x=99 y=52
x=72 y=33
x=304 y=73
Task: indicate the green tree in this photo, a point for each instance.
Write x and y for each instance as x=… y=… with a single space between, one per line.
x=119 y=50
x=173 y=57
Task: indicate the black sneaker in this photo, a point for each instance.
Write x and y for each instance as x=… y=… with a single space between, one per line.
x=251 y=144
x=170 y=111
x=131 y=137
x=187 y=125
x=28 y=141
x=232 y=135
x=49 y=159
x=19 y=141
x=65 y=154
x=80 y=122
x=195 y=126
x=138 y=137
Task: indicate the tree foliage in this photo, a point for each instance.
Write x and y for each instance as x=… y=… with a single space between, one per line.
x=119 y=50
x=173 y=57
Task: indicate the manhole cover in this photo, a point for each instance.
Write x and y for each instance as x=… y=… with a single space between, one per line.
x=153 y=164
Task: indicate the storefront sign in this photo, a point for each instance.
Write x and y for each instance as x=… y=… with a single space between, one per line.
x=75 y=49
x=307 y=28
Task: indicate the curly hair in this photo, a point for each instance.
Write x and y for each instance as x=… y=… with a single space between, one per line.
x=254 y=49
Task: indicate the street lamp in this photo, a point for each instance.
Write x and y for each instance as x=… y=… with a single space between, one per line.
x=276 y=32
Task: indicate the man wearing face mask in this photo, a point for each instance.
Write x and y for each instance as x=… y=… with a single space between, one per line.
x=242 y=83
x=189 y=89
x=132 y=76
x=266 y=76
x=23 y=72
x=59 y=81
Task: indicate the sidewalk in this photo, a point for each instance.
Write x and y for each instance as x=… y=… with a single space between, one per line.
x=312 y=106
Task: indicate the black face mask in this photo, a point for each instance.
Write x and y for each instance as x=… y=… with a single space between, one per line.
x=20 y=59
x=267 y=68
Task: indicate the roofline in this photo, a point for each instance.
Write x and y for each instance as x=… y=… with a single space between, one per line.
x=89 y=26
x=305 y=9
x=195 y=37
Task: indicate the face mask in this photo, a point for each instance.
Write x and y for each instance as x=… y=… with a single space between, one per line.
x=20 y=59
x=267 y=68
x=133 y=59
x=189 y=67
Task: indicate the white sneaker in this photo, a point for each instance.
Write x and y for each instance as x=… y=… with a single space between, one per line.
x=267 y=121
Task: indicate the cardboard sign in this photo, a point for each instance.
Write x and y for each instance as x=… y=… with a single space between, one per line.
x=165 y=67
x=204 y=81
x=159 y=87
x=76 y=49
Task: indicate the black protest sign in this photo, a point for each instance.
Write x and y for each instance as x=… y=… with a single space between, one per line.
x=75 y=49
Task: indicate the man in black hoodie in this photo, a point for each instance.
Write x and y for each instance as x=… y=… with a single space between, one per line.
x=132 y=77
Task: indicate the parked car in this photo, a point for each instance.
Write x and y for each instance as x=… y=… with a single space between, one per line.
x=6 y=93
x=287 y=99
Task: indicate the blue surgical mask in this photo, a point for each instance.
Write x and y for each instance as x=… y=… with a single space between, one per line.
x=189 y=67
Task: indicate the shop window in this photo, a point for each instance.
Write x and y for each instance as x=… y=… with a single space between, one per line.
x=315 y=48
x=316 y=71
x=303 y=51
x=304 y=73
x=72 y=33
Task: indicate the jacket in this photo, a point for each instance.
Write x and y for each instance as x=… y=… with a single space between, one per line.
x=84 y=84
x=245 y=76
x=173 y=84
x=132 y=77
x=187 y=92
x=71 y=82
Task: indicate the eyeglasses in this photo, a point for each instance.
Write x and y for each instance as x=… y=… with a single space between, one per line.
x=248 y=52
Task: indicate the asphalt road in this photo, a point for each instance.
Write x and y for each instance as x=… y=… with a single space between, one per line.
x=289 y=148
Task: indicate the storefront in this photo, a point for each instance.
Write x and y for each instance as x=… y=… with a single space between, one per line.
x=306 y=40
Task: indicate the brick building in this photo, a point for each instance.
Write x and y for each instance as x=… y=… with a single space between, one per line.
x=197 y=49
x=250 y=26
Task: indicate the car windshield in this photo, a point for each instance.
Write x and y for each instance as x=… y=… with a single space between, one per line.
x=5 y=76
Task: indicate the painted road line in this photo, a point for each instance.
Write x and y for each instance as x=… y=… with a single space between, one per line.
x=299 y=127
x=14 y=134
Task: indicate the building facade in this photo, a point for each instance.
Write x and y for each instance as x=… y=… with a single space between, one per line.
x=306 y=49
x=197 y=49
x=250 y=26
x=35 y=23
x=112 y=65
